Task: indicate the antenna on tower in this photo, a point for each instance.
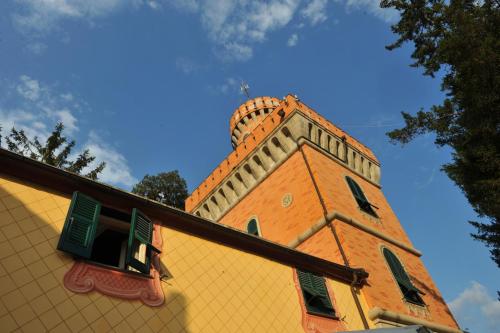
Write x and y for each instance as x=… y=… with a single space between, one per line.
x=244 y=87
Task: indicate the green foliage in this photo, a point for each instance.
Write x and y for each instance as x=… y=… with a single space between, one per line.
x=166 y=187
x=55 y=151
x=460 y=40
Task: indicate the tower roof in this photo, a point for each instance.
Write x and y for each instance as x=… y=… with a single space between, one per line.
x=249 y=115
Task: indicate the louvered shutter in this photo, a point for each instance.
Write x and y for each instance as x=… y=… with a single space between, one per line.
x=315 y=293
x=398 y=271
x=141 y=233
x=252 y=228
x=362 y=201
x=78 y=233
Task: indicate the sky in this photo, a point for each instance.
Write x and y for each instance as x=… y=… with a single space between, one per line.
x=149 y=86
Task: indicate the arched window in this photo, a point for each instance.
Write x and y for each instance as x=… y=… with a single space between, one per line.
x=410 y=292
x=253 y=227
x=358 y=194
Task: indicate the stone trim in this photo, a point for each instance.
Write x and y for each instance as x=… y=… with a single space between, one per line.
x=377 y=315
x=282 y=142
x=334 y=215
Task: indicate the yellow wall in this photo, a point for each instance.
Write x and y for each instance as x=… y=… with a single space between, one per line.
x=212 y=288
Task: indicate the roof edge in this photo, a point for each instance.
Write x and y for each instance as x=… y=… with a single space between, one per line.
x=64 y=182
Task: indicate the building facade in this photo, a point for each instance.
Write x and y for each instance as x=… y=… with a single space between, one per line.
x=80 y=256
x=296 y=179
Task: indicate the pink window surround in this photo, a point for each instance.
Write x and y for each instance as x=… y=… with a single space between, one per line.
x=85 y=277
x=314 y=323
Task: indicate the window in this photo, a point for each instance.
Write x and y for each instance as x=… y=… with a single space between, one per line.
x=253 y=227
x=107 y=236
x=363 y=203
x=315 y=294
x=410 y=292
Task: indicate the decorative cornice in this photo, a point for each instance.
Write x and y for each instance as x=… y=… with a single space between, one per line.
x=296 y=129
x=65 y=183
x=379 y=314
x=334 y=215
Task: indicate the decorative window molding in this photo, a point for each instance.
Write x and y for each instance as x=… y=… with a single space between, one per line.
x=313 y=323
x=85 y=277
x=121 y=250
x=360 y=197
x=410 y=293
x=253 y=227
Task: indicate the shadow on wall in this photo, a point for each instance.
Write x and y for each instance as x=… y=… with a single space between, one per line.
x=33 y=269
x=430 y=292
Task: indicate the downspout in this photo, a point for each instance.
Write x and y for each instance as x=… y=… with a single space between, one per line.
x=337 y=240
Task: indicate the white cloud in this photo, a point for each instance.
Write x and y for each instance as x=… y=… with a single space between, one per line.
x=235 y=27
x=230 y=85
x=475 y=308
x=117 y=170
x=28 y=88
x=185 y=65
x=35 y=107
x=293 y=40
x=388 y=15
x=315 y=11
x=36 y=47
x=42 y=16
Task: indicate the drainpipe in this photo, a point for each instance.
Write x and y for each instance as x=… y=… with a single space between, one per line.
x=337 y=240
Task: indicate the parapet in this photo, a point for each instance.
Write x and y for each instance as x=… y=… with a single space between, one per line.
x=249 y=115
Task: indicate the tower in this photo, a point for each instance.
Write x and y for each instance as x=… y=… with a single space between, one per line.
x=296 y=179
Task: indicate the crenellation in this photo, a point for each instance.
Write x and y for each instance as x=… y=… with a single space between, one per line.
x=268 y=154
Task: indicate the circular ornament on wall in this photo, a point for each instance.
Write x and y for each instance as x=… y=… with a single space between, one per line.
x=287 y=199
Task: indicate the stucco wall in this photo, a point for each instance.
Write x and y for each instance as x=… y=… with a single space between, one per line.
x=209 y=287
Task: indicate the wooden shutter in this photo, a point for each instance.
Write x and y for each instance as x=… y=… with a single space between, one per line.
x=362 y=201
x=398 y=270
x=252 y=227
x=315 y=293
x=78 y=233
x=141 y=232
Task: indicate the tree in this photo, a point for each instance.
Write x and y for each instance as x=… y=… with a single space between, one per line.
x=460 y=41
x=166 y=187
x=55 y=151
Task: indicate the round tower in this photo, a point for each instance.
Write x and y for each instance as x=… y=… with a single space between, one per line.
x=249 y=115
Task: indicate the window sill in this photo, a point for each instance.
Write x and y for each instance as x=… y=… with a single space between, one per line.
x=118 y=269
x=323 y=315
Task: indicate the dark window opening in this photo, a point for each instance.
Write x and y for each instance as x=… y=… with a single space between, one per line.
x=107 y=236
x=109 y=248
x=409 y=291
x=315 y=293
x=253 y=228
x=360 y=197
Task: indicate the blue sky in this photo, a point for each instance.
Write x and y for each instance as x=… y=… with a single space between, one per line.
x=149 y=86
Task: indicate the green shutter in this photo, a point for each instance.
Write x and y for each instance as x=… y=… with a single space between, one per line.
x=398 y=270
x=78 y=233
x=362 y=201
x=252 y=228
x=141 y=232
x=315 y=293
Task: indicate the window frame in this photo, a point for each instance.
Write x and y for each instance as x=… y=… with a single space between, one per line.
x=314 y=284
x=403 y=279
x=257 y=226
x=357 y=192
x=67 y=244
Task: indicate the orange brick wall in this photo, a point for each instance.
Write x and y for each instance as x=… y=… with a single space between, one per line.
x=363 y=249
x=282 y=225
x=278 y=223
x=330 y=177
